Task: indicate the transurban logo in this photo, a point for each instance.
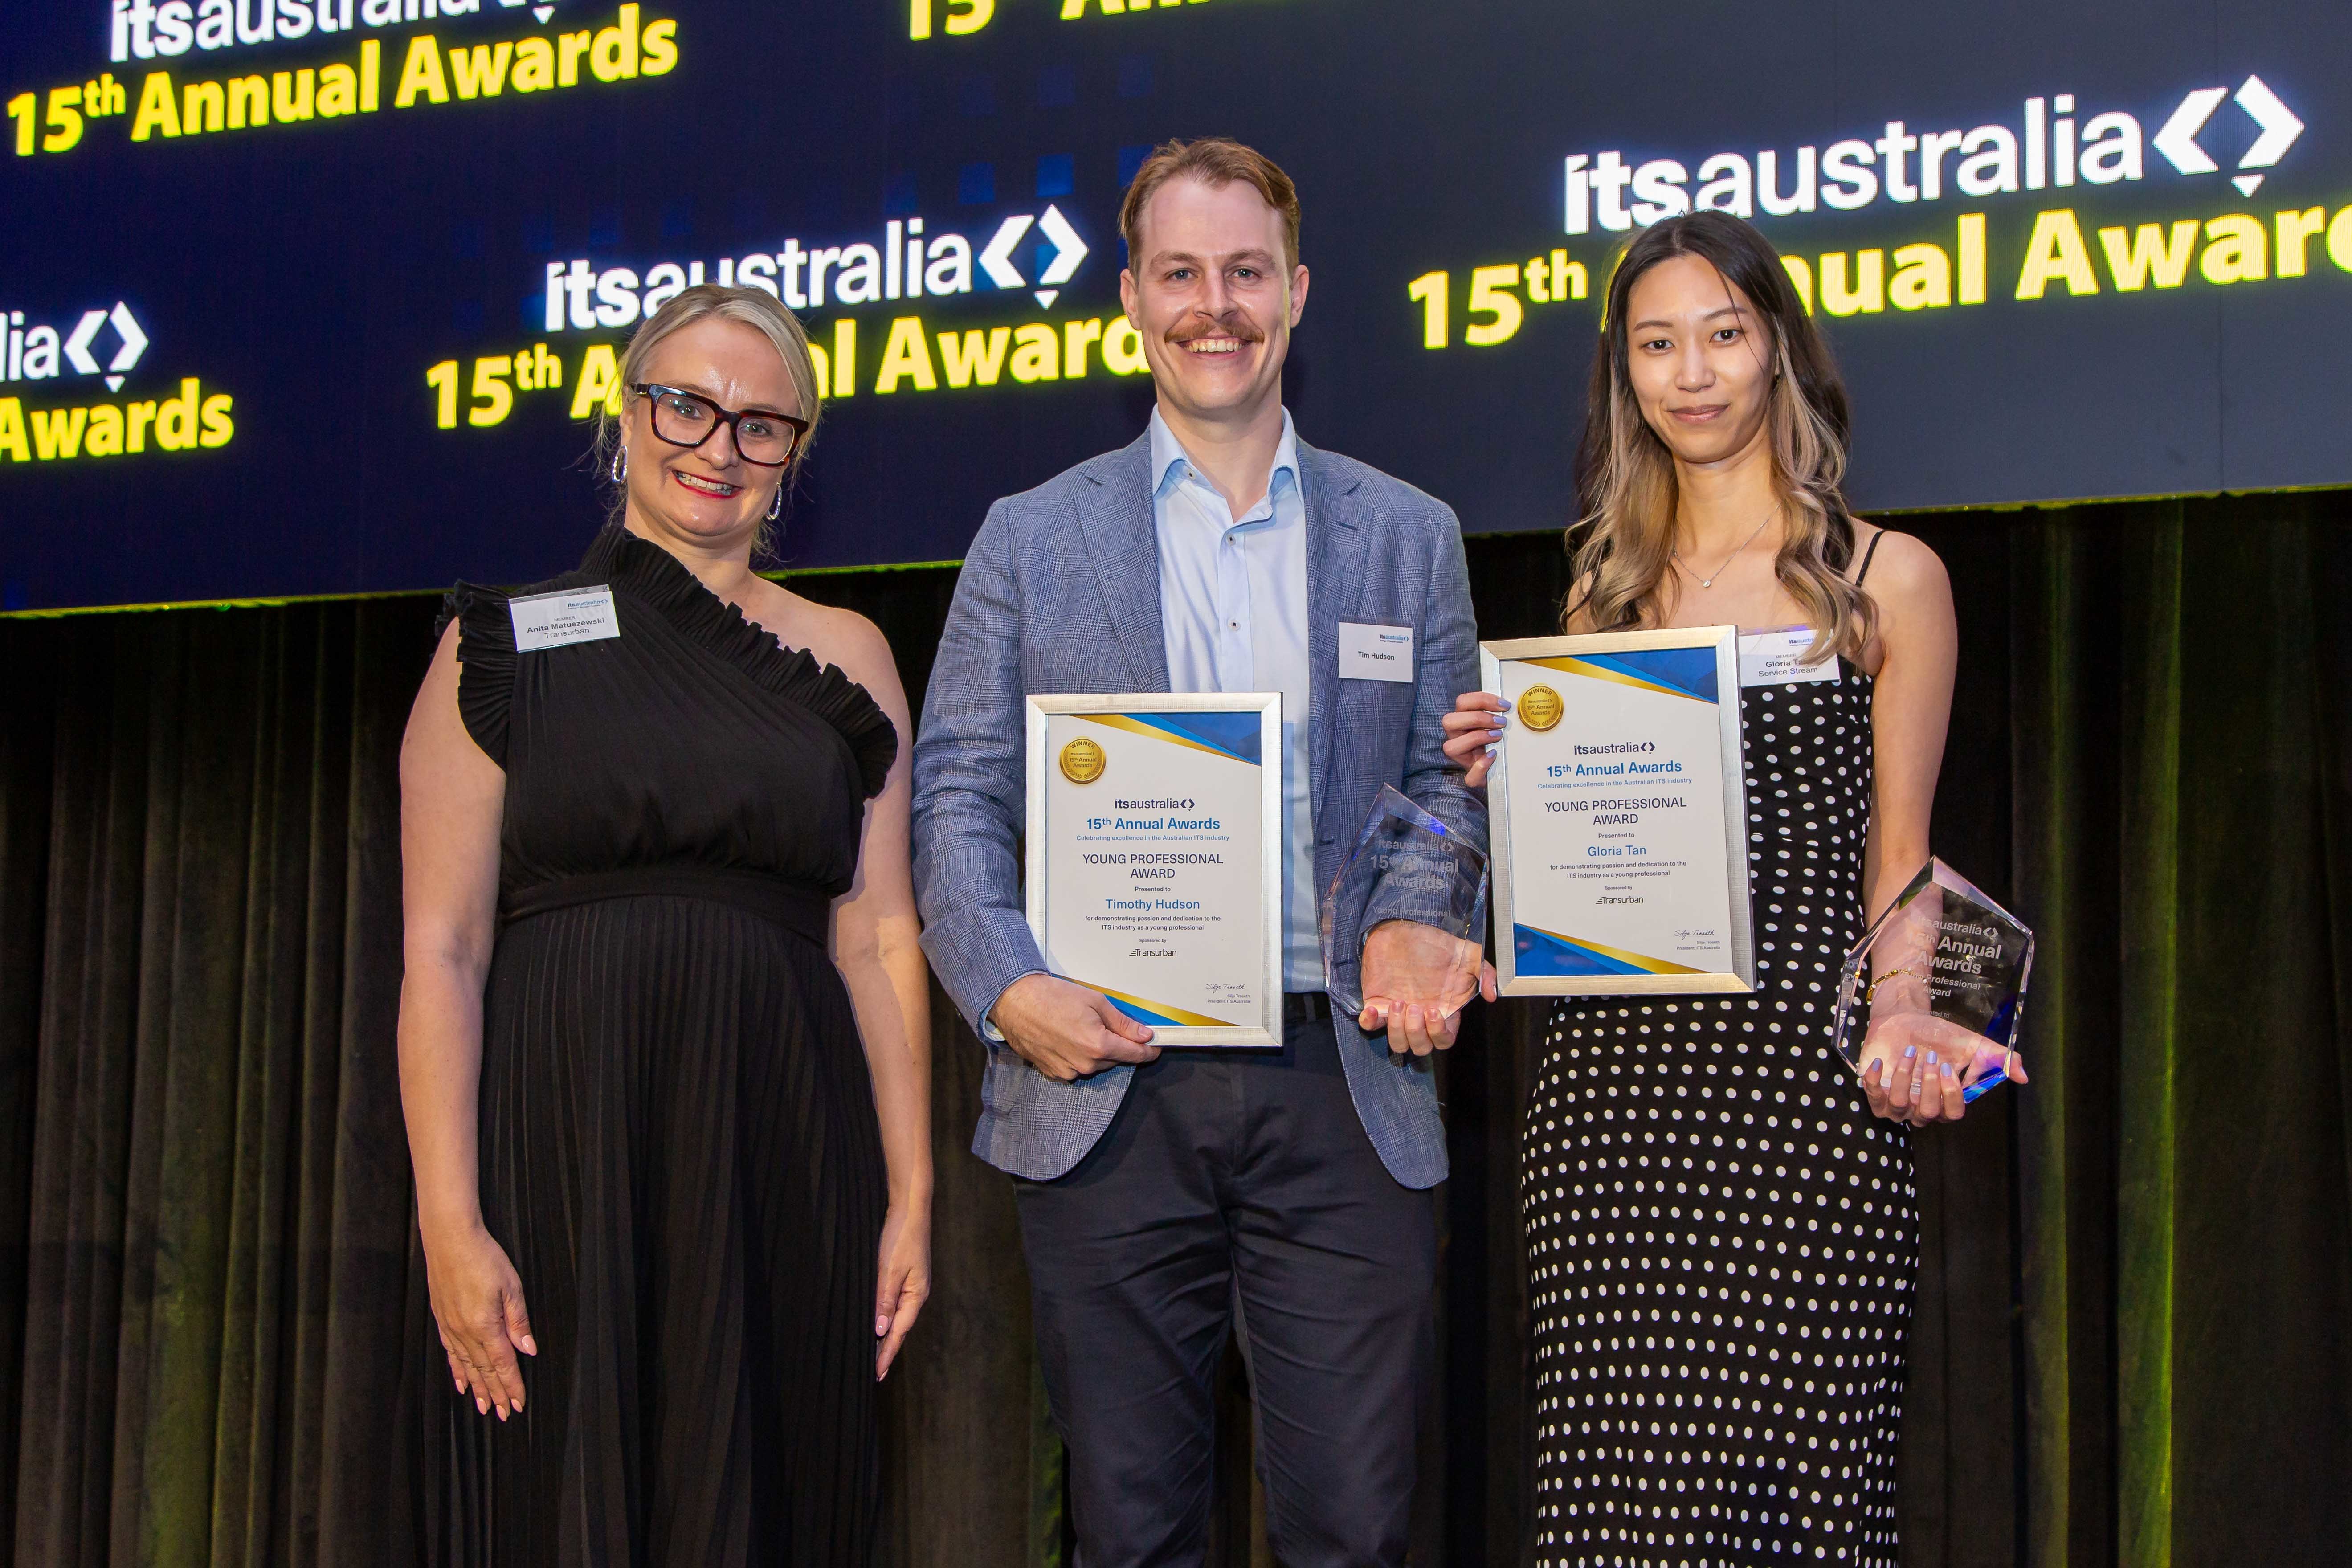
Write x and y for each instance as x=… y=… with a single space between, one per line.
x=2049 y=145
x=904 y=262
x=146 y=30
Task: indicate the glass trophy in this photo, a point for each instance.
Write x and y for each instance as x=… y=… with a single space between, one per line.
x=1410 y=883
x=1943 y=970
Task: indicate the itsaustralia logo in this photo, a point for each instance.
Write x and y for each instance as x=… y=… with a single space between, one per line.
x=2049 y=145
x=106 y=343
x=39 y=352
x=904 y=261
x=145 y=30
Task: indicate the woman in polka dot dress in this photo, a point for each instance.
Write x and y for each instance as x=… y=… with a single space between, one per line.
x=1721 y=1222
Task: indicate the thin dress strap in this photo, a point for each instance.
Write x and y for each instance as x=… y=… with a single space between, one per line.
x=1867 y=556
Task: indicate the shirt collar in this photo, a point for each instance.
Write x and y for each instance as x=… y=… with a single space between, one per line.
x=1170 y=463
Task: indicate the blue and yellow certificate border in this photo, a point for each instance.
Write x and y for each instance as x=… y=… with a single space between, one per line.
x=1620 y=657
x=1202 y=720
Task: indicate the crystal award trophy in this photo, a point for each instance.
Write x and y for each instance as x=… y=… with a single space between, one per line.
x=1943 y=970
x=1412 y=884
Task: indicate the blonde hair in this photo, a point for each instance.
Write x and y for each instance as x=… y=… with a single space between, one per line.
x=753 y=307
x=1623 y=545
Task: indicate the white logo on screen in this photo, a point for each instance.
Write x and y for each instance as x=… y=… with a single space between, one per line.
x=903 y=262
x=2051 y=144
x=100 y=342
x=147 y=29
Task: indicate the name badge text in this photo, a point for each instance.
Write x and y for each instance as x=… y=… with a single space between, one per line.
x=1369 y=651
x=555 y=620
x=1774 y=658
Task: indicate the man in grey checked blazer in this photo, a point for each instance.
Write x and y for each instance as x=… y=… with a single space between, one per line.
x=1164 y=1195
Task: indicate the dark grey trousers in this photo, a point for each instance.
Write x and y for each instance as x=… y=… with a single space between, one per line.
x=1235 y=1179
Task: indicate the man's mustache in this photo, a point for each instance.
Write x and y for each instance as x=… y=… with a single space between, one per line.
x=1238 y=327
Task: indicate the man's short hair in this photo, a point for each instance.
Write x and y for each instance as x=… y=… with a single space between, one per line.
x=1215 y=162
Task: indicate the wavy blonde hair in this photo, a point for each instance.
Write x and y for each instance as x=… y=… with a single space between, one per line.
x=753 y=307
x=1623 y=544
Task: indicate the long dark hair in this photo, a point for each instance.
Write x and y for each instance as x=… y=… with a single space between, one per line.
x=1623 y=542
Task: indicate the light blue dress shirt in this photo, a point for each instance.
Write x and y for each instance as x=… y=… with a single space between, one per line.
x=1233 y=612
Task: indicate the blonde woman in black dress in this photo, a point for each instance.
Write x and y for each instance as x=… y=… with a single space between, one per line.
x=1722 y=1227
x=663 y=1032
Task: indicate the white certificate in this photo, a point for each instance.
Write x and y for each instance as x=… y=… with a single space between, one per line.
x=1154 y=862
x=1619 y=808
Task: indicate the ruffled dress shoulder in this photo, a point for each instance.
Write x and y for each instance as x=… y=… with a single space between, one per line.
x=653 y=578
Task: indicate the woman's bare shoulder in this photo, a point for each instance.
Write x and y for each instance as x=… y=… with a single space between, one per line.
x=1902 y=565
x=1577 y=616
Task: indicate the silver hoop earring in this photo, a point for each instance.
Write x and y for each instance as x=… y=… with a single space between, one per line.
x=620 y=464
x=776 y=506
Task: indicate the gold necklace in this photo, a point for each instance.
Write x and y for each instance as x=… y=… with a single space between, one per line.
x=1738 y=551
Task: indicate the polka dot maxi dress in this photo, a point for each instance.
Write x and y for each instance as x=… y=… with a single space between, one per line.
x=1721 y=1238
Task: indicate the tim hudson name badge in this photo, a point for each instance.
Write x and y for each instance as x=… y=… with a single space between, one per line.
x=1619 y=812
x=1154 y=864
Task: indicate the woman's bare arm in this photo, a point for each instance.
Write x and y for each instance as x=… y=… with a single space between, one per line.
x=1911 y=709
x=452 y=803
x=876 y=946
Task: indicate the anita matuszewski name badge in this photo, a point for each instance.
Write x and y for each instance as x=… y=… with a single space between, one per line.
x=1154 y=859
x=1619 y=810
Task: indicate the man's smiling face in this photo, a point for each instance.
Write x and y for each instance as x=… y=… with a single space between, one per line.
x=1215 y=297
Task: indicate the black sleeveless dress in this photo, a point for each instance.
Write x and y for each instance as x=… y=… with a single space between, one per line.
x=679 y=1148
x=1721 y=1238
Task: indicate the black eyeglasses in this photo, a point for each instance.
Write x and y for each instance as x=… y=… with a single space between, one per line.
x=688 y=419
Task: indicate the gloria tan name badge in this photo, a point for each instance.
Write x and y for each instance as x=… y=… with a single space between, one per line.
x=1154 y=857
x=1777 y=657
x=555 y=620
x=1618 y=806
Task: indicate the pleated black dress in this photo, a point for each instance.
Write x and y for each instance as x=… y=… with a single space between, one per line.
x=1721 y=1238
x=679 y=1148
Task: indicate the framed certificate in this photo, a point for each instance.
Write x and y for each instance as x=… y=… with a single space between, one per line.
x=1619 y=812
x=1155 y=856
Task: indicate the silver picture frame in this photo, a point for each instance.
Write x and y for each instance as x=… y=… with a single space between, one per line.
x=1043 y=835
x=1516 y=826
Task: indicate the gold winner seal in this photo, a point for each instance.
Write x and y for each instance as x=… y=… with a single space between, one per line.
x=1539 y=709
x=1082 y=760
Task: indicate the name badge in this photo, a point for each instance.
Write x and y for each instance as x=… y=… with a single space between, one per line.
x=1369 y=651
x=553 y=620
x=1773 y=658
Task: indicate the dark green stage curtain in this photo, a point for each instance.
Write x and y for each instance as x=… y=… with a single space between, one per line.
x=2127 y=1347
x=2183 y=771
x=204 y=1166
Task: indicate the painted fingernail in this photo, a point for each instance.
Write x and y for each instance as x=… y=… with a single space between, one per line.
x=1493 y=734
x=1948 y=1070
x=1910 y=1051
